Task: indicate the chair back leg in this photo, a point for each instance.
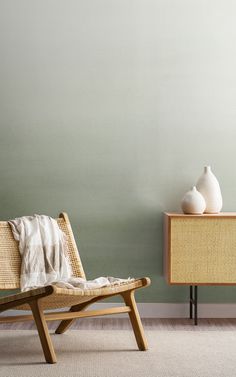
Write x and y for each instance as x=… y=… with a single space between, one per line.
x=135 y=320
x=66 y=323
x=43 y=332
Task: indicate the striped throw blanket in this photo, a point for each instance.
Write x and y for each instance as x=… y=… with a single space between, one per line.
x=43 y=249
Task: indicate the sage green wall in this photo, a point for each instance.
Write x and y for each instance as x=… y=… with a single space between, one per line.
x=109 y=110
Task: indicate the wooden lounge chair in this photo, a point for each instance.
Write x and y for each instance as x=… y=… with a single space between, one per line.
x=52 y=297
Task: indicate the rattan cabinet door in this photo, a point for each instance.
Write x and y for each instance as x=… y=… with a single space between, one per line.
x=202 y=250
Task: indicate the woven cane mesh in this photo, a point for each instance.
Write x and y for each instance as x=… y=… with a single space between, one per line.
x=55 y=301
x=62 y=297
x=10 y=260
x=73 y=253
x=203 y=250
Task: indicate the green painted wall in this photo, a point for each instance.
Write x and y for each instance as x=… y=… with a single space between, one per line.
x=109 y=110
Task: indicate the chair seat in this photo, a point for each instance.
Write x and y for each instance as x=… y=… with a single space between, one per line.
x=63 y=297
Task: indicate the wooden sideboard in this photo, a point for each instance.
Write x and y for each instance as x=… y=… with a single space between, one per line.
x=200 y=250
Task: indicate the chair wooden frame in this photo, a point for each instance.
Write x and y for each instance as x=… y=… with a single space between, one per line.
x=46 y=297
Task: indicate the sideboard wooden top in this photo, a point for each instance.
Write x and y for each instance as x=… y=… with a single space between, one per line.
x=206 y=215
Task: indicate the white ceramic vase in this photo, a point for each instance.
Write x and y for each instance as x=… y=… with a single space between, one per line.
x=193 y=202
x=209 y=187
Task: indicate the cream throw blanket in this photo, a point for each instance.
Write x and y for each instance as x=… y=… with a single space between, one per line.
x=43 y=249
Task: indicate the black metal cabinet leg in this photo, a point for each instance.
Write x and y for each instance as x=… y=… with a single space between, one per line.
x=195 y=306
x=191 y=302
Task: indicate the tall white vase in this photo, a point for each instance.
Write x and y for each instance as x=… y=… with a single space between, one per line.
x=209 y=187
x=193 y=202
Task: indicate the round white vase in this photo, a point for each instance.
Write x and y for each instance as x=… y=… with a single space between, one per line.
x=193 y=202
x=209 y=187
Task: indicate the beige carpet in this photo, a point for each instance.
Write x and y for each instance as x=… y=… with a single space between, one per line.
x=107 y=353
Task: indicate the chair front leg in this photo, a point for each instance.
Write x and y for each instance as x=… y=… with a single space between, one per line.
x=43 y=332
x=134 y=316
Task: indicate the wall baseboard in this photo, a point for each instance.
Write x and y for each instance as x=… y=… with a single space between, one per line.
x=167 y=310
x=179 y=310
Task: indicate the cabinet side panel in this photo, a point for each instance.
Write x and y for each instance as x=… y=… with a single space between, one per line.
x=166 y=258
x=203 y=250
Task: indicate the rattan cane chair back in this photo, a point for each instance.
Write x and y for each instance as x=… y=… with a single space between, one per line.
x=10 y=260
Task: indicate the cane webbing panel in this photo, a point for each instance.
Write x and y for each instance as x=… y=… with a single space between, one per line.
x=10 y=260
x=63 y=297
x=203 y=250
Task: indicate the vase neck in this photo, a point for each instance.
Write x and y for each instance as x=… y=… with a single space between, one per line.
x=207 y=169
